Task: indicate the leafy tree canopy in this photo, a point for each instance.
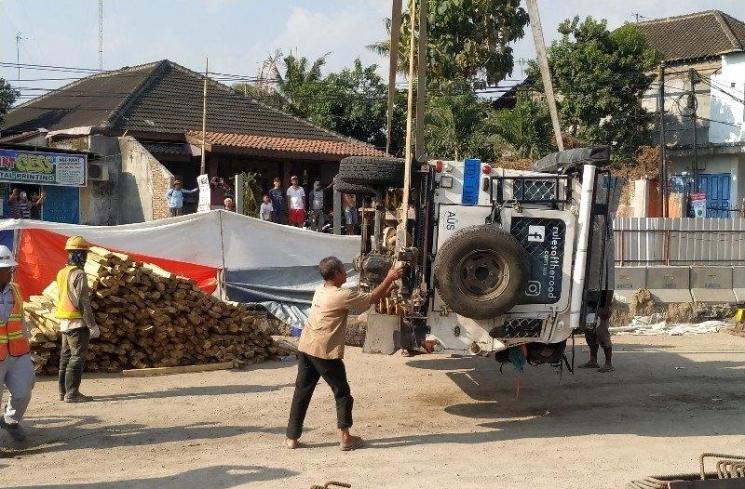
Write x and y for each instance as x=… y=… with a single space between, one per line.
x=599 y=76
x=466 y=38
x=8 y=96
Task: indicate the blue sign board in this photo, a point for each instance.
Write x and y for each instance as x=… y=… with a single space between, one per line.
x=471 y=175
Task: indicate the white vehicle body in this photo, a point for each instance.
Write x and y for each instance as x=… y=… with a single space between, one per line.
x=548 y=232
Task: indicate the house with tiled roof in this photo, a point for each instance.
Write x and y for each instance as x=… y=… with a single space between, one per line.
x=704 y=68
x=148 y=118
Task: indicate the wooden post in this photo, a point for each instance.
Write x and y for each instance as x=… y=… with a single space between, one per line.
x=337 y=212
x=548 y=88
x=203 y=167
x=421 y=83
x=393 y=70
x=402 y=240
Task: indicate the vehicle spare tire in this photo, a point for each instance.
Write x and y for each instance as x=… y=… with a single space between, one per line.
x=352 y=188
x=481 y=271
x=376 y=172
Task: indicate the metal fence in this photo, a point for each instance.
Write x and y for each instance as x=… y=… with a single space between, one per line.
x=679 y=241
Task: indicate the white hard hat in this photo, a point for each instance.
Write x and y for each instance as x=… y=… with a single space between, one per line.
x=6 y=258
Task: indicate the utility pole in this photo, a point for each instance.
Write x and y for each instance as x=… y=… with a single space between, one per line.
x=19 y=38
x=203 y=167
x=421 y=83
x=663 y=147
x=693 y=105
x=548 y=88
x=393 y=70
x=100 y=35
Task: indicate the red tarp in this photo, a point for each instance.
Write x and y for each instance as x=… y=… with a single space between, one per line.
x=41 y=254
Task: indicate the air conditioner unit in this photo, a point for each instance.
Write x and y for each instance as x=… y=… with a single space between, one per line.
x=98 y=172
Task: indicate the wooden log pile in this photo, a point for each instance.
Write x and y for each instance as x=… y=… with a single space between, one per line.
x=150 y=318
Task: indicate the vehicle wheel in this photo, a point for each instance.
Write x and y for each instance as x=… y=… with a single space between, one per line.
x=376 y=172
x=352 y=188
x=481 y=271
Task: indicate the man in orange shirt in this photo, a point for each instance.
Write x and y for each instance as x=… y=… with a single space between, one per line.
x=321 y=348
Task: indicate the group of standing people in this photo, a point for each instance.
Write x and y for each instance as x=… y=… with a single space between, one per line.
x=77 y=325
x=175 y=196
x=293 y=206
x=21 y=206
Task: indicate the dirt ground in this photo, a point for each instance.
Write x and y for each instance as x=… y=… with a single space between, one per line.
x=430 y=422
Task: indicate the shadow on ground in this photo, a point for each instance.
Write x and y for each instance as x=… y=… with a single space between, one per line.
x=62 y=434
x=217 y=477
x=651 y=394
x=200 y=390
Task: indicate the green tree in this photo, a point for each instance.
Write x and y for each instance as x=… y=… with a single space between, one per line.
x=599 y=76
x=299 y=82
x=526 y=128
x=456 y=125
x=467 y=38
x=353 y=102
x=8 y=96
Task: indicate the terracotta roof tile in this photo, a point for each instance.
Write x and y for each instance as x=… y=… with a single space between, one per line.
x=293 y=145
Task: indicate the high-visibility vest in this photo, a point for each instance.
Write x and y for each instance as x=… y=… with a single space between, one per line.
x=65 y=308
x=12 y=340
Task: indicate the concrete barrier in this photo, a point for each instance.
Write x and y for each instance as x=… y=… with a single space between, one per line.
x=628 y=280
x=738 y=283
x=712 y=284
x=669 y=284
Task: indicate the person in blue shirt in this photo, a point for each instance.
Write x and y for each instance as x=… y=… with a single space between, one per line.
x=279 y=202
x=175 y=197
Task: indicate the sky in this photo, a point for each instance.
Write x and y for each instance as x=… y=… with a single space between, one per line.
x=238 y=35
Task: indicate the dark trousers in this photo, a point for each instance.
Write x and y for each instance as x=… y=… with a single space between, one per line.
x=309 y=370
x=600 y=335
x=72 y=360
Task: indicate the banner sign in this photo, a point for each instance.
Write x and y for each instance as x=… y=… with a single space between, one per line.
x=698 y=204
x=20 y=166
x=205 y=194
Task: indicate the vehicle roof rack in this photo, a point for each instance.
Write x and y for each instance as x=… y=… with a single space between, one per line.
x=571 y=159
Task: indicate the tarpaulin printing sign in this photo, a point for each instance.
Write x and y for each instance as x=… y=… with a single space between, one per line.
x=21 y=166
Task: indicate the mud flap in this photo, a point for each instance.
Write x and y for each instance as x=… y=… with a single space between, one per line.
x=383 y=334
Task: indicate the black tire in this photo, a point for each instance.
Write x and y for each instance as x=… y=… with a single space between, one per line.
x=351 y=188
x=481 y=271
x=375 y=172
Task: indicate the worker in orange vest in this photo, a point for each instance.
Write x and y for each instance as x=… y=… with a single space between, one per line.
x=77 y=323
x=16 y=367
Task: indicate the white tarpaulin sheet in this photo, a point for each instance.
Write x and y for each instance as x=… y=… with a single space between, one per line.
x=217 y=238
x=260 y=261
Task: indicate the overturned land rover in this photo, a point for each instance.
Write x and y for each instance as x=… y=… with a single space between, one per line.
x=495 y=257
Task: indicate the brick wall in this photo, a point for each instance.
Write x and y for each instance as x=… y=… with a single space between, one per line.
x=161 y=179
x=144 y=184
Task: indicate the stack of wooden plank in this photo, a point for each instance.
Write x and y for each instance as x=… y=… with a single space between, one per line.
x=150 y=318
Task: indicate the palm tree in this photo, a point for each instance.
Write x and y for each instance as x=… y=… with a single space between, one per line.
x=296 y=84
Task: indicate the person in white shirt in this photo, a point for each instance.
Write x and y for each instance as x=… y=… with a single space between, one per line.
x=267 y=209
x=296 y=198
